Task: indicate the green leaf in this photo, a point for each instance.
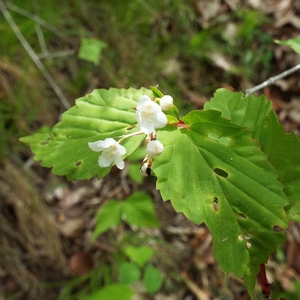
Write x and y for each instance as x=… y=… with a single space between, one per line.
x=156 y=92
x=134 y=173
x=96 y=116
x=129 y=273
x=153 y=279
x=282 y=149
x=172 y=114
x=90 y=50
x=293 y=43
x=135 y=163
x=111 y=292
x=109 y=215
x=140 y=255
x=294 y=212
x=214 y=172
x=139 y=210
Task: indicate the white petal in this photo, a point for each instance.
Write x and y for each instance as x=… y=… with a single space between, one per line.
x=101 y=145
x=119 y=162
x=121 y=149
x=150 y=116
x=161 y=120
x=147 y=127
x=166 y=102
x=105 y=160
x=94 y=146
x=144 y=98
x=106 y=143
x=154 y=148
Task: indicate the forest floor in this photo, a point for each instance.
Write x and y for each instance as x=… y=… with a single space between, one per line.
x=190 y=50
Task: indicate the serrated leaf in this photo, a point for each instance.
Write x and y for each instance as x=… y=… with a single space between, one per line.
x=139 y=210
x=226 y=183
x=140 y=255
x=153 y=279
x=283 y=150
x=109 y=215
x=111 y=292
x=96 y=116
x=129 y=273
x=292 y=43
x=90 y=50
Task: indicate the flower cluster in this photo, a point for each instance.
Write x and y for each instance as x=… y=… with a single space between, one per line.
x=149 y=116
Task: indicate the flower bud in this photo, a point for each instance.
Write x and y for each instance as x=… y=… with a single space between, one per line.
x=166 y=102
x=154 y=148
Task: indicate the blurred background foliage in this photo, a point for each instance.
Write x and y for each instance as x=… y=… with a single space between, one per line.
x=189 y=48
x=148 y=43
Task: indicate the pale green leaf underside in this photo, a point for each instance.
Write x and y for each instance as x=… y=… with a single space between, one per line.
x=283 y=149
x=293 y=43
x=225 y=182
x=101 y=114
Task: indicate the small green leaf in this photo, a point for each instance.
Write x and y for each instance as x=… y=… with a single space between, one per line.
x=294 y=212
x=96 y=116
x=109 y=215
x=129 y=273
x=153 y=279
x=90 y=50
x=292 y=43
x=111 y=292
x=172 y=114
x=140 y=255
x=156 y=92
x=139 y=210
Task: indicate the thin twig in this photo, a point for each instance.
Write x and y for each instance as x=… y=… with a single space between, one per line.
x=33 y=56
x=40 y=35
x=39 y=21
x=272 y=80
x=55 y=54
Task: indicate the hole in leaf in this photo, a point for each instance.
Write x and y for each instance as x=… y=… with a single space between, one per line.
x=225 y=140
x=240 y=238
x=213 y=136
x=248 y=235
x=78 y=164
x=277 y=228
x=221 y=172
x=241 y=215
x=44 y=143
x=248 y=245
x=216 y=204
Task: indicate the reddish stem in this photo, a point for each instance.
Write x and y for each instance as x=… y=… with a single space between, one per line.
x=179 y=124
x=265 y=285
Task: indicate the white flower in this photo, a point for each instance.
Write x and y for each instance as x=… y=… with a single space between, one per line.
x=112 y=152
x=166 y=102
x=149 y=115
x=154 y=148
